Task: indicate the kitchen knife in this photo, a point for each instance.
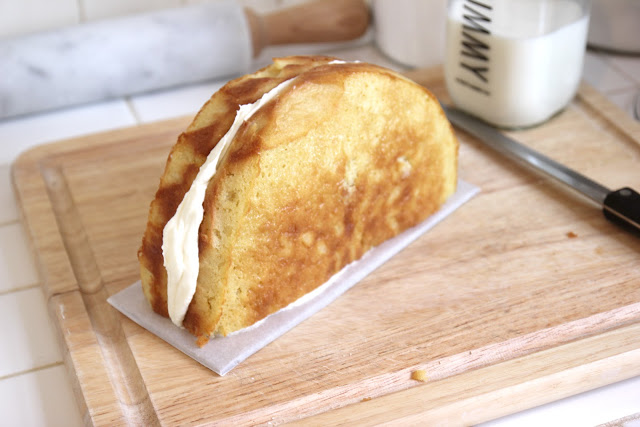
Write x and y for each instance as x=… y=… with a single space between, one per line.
x=134 y=54
x=621 y=207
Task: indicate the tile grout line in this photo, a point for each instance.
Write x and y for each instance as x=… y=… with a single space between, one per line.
x=622 y=70
x=9 y=222
x=132 y=110
x=19 y=289
x=609 y=60
x=29 y=371
x=82 y=13
x=627 y=90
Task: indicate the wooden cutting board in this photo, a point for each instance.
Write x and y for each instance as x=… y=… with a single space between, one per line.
x=523 y=296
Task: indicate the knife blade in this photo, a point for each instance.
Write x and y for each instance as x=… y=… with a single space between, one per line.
x=621 y=207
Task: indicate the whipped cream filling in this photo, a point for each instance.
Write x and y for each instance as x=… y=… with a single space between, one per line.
x=180 y=235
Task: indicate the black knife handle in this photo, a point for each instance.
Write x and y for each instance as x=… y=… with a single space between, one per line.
x=622 y=207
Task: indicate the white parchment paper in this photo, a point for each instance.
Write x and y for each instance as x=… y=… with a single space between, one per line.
x=222 y=354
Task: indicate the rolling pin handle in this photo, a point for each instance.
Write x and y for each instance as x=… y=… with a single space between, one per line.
x=313 y=22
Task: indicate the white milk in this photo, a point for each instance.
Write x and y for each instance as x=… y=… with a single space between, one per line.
x=526 y=61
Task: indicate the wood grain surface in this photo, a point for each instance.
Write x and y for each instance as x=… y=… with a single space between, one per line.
x=523 y=296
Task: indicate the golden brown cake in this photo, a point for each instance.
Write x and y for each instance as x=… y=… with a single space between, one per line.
x=344 y=157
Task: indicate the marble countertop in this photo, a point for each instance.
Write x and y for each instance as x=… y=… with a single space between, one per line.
x=34 y=387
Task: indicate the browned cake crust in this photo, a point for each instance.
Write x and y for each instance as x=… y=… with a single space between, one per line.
x=347 y=157
x=191 y=150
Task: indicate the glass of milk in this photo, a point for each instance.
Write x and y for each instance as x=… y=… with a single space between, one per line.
x=515 y=63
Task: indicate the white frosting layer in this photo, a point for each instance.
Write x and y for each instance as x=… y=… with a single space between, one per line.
x=180 y=235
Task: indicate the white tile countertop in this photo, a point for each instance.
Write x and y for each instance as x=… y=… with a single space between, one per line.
x=34 y=387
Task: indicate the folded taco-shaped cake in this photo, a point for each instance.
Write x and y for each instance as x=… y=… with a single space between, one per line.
x=283 y=178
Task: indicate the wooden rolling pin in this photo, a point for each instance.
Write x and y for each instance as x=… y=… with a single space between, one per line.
x=108 y=59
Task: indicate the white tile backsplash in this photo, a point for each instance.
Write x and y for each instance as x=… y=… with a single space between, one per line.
x=40 y=398
x=17 y=135
x=599 y=73
x=17 y=268
x=28 y=16
x=627 y=65
x=28 y=339
x=625 y=100
x=597 y=409
x=174 y=102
